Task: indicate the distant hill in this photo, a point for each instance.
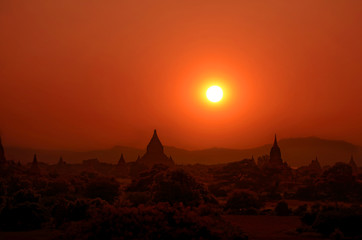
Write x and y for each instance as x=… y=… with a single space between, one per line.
x=300 y=151
x=52 y=156
x=296 y=151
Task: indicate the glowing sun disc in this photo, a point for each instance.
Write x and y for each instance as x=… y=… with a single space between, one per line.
x=214 y=93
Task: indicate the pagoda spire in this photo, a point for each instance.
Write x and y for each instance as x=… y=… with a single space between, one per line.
x=155 y=145
x=353 y=164
x=35 y=160
x=121 y=160
x=2 y=152
x=275 y=154
x=61 y=161
x=275 y=140
x=34 y=166
x=315 y=164
x=155 y=154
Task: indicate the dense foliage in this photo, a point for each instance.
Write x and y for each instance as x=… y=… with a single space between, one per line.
x=185 y=202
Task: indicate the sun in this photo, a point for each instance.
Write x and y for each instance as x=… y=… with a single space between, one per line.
x=214 y=93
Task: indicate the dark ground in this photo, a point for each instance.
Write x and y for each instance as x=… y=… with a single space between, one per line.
x=256 y=227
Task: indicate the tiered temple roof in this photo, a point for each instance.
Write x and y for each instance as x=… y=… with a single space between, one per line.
x=155 y=153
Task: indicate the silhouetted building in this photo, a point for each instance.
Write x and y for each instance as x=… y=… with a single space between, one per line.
x=315 y=165
x=313 y=169
x=155 y=154
x=121 y=161
x=275 y=154
x=61 y=161
x=34 y=169
x=353 y=165
x=2 y=153
x=274 y=165
x=121 y=169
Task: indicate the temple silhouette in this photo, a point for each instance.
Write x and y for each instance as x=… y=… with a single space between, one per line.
x=2 y=153
x=275 y=154
x=121 y=161
x=155 y=153
x=353 y=165
x=274 y=159
x=236 y=188
x=34 y=169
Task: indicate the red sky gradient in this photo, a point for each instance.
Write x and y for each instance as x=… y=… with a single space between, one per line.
x=94 y=74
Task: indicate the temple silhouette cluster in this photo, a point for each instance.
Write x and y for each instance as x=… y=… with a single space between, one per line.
x=155 y=155
x=85 y=191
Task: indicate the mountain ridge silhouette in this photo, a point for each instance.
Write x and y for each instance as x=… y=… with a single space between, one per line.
x=296 y=151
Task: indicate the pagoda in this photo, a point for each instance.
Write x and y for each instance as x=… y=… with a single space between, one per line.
x=275 y=154
x=155 y=153
x=353 y=165
x=2 y=153
x=34 y=169
x=121 y=161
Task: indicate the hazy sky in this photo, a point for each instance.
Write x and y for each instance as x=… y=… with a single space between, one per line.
x=94 y=74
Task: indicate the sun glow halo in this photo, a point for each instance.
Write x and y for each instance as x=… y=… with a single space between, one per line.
x=214 y=93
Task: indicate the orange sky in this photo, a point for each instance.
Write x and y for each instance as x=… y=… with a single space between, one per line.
x=93 y=74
